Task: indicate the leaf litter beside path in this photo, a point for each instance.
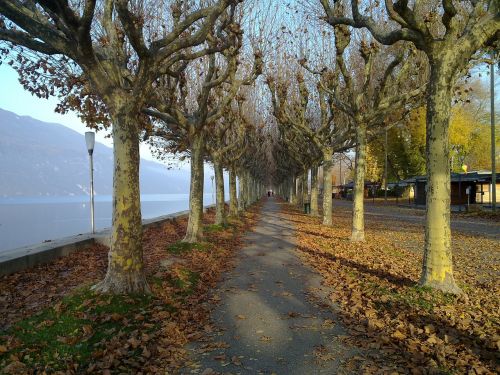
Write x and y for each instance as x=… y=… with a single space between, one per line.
x=412 y=329
x=51 y=321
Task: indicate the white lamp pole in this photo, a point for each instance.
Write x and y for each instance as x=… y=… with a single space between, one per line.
x=90 y=140
x=493 y=137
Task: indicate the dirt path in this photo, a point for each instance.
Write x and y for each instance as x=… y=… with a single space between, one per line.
x=272 y=317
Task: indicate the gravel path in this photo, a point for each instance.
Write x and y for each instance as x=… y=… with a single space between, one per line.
x=272 y=317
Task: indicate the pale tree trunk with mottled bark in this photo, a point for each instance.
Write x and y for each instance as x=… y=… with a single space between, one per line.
x=437 y=270
x=305 y=188
x=249 y=189
x=194 y=231
x=358 y=213
x=125 y=273
x=300 y=194
x=314 y=191
x=293 y=191
x=253 y=187
x=233 y=199
x=241 y=192
x=327 y=186
x=220 y=205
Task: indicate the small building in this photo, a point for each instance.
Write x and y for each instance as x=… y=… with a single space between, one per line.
x=472 y=187
x=345 y=191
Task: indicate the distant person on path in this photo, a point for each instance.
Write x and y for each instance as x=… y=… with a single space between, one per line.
x=268 y=194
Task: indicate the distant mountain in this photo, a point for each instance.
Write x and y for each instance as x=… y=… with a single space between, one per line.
x=40 y=158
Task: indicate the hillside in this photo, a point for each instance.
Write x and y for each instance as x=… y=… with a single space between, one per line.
x=40 y=158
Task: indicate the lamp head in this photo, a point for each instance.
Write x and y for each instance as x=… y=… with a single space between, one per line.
x=90 y=141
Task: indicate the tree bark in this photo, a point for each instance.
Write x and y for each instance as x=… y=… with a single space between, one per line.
x=300 y=194
x=358 y=212
x=327 y=186
x=125 y=273
x=437 y=269
x=293 y=191
x=241 y=188
x=248 y=190
x=305 y=188
x=233 y=199
x=220 y=205
x=194 y=231
x=314 y=191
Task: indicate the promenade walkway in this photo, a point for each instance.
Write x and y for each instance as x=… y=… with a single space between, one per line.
x=272 y=317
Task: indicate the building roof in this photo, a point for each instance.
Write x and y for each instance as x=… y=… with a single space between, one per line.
x=473 y=176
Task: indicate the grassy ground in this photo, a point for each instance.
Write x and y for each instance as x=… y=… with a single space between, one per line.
x=52 y=321
x=410 y=329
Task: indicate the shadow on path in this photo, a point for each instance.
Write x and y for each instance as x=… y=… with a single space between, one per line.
x=272 y=316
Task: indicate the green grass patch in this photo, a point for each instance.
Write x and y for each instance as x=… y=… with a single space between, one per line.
x=178 y=248
x=212 y=228
x=74 y=328
x=185 y=280
x=418 y=296
x=393 y=251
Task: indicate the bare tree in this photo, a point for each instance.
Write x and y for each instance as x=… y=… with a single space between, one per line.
x=116 y=61
x=326 y=137
x=450 y=34
x=372 y=101
x=195 y=120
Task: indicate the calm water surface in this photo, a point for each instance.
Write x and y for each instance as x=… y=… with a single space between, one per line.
x=31 y=220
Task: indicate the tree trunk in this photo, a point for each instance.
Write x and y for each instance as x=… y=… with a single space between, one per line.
x=252 y=190
x=358 y=212
x=314 y=191
x=125 y=272
x=305 y=188
x=293 y=191
x=300 y=194
x=233 y=199
x=220 y=205
x=248 y=190
x=194 y=231
x=241 y=188
x=327 y=186
x=437 y=269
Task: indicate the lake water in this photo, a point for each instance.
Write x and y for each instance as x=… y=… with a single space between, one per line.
x=32 y=220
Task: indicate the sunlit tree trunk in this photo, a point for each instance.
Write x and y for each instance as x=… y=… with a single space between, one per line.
x=293 y=191
x=220 y=206
x=437 y=270
x=300 y=189
x=194 y=231
x=314 y=191
x=125 y=273
x=358 y=213
x=233 y=199
x=305 y=189
x=327 y=186
x=248 y=190
x=241 y=192
x=254 y=190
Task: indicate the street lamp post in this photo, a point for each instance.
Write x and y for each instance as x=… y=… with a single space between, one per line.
x=385 y=167
x=493 y=137
x=90 y=140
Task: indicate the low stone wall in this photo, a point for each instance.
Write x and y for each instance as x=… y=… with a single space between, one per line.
x=28 y=256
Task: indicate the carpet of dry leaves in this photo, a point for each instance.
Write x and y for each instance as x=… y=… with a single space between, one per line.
x=407 y=329
x=177 y=313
